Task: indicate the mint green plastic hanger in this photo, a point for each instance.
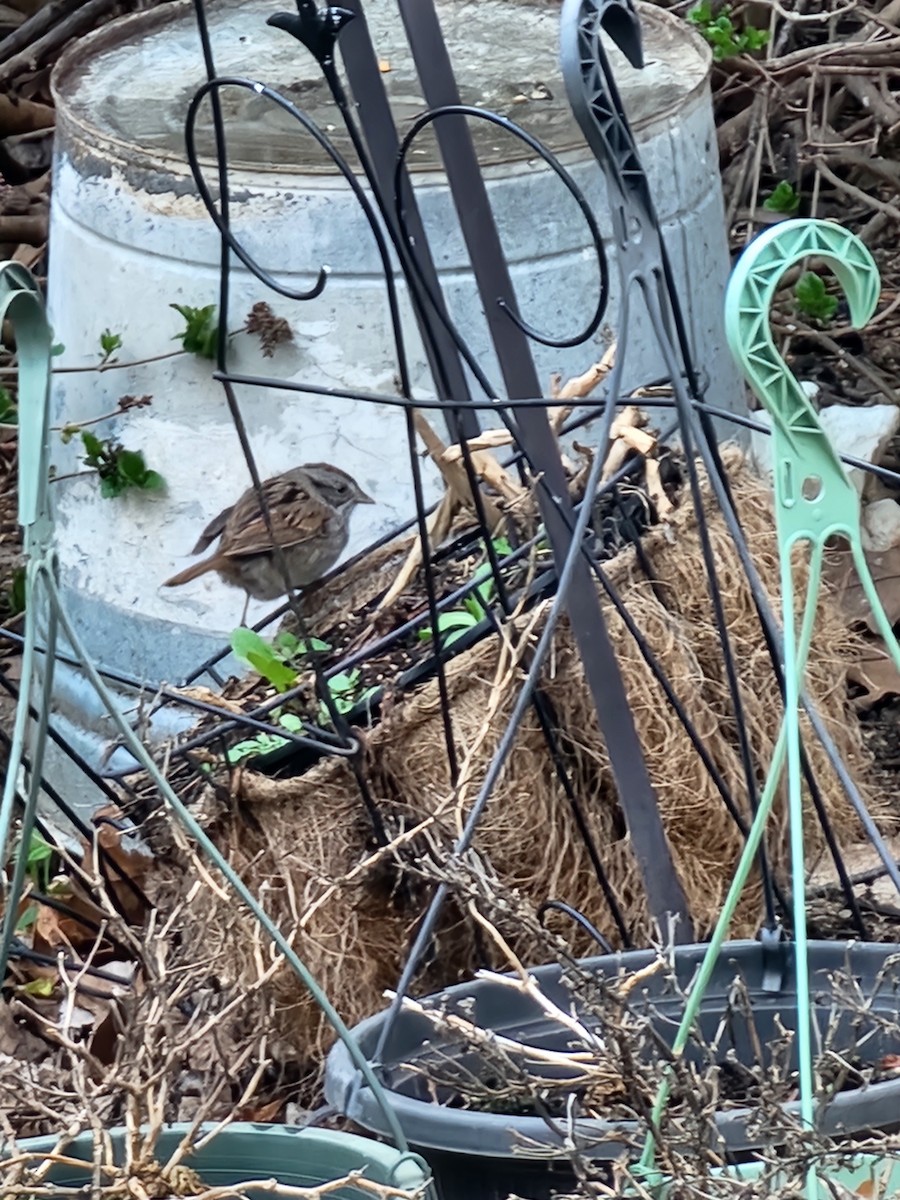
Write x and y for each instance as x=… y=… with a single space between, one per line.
x=814 y=501
x=20 y=302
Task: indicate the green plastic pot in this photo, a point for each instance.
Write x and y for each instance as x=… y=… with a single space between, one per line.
x=875 y=1176
x=245 y=1151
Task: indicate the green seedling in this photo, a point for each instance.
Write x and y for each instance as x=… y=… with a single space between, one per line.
x=265 y=743
x=813 y=299
x=12 y=602
x=262 y=657
x=200 y=335
x=37 y=868
x=345 y=694
x=9 y=413
x=119 y=469
x=277 y=661
x=720 y=31
x=109 y=344
x=455 y=623
x=288 y=647
x=37 y=861
x=784 y=199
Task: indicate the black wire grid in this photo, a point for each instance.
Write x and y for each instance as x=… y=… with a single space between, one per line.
x=388 y=201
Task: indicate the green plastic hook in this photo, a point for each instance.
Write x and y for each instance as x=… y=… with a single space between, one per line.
x=814 y=500
x=812 y=493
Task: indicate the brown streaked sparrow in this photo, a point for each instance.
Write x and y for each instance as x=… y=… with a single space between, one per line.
x=309 y=507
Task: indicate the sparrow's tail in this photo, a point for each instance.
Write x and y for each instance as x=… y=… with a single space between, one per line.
x=193 y=572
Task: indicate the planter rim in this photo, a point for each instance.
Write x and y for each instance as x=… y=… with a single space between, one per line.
x=498 y=1135
x=748 y=1172
x=407 y=1171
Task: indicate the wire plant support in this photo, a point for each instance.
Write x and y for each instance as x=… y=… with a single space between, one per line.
x=576 y=585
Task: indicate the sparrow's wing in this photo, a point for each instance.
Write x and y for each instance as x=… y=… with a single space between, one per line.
x=297 y=512
x=213 y=530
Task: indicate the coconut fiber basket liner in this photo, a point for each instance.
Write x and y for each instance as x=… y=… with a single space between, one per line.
x=302 y=842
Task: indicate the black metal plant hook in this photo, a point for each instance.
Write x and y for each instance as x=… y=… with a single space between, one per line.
x=317 y=28
x=318 y=31
x=507 y=305
x=597 y=105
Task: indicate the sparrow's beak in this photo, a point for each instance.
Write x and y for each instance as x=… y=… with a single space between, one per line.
x=364 y=499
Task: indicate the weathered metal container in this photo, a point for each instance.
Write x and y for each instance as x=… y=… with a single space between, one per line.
x=130 y=237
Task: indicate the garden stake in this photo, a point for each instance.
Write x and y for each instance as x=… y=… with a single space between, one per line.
x=20 y=301
x=814 y=501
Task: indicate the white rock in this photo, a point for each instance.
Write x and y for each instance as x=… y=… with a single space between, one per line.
x=860 y=432
x=881 y=525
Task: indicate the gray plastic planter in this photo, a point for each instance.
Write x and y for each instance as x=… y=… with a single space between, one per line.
x=479 y=1155
x=244 y=1151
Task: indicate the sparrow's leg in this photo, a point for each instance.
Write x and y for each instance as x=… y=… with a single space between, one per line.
x=246 y=606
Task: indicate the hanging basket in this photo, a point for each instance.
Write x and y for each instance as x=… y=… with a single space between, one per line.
x=489 y=1144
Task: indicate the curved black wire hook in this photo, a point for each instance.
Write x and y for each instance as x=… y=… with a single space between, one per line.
x=213 y=86
x=579 y=918
x=504 y=123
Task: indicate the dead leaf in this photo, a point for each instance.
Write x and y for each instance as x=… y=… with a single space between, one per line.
x=885 y=567
x=134 y=861
x=877 y=674
x=16 y=1041
x=263 y=1113
x=38 y=987
x=208 y=696
x=54 y=930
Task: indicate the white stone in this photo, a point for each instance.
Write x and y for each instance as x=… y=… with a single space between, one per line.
x=856 y=431
x=860 y=433
x=881 y=525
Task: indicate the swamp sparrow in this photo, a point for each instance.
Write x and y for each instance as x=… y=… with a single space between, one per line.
x=309 y=508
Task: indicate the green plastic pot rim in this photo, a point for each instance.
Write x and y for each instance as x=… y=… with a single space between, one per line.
x=406 y=1171
x=656 y=1184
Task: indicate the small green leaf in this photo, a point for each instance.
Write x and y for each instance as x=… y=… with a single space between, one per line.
x=39 y=852
x=813 y=299
x=456 y=619
x=110 y=488
x=755 y=38
x=280 y=676
x=288 y=646
x=257 y=653
x=291 y=722
x=92 y=445
x=56 y=349
x=286 y=643
x=17 y=593
x=153 y=481
x=27 y=919
x=109 y=343
x=245 y=642
x=200 y=335
x=38 y=987
x=263 y=744
x=132 y=466
x=344 y=682
x=783 y=199
x=9 y=414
